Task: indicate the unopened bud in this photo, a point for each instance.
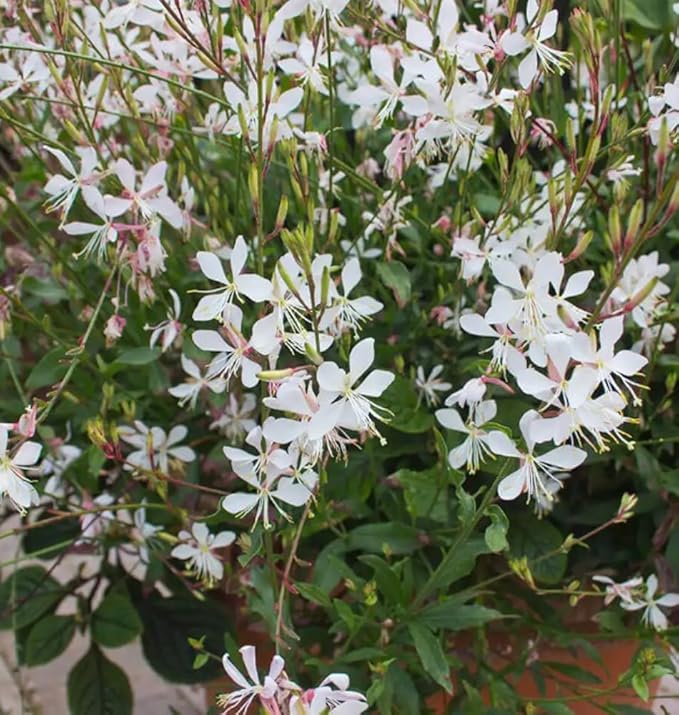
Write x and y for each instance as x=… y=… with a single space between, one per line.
x=634 y=222
x=275 y=375
x=641 y=296
x=282 y=212
x=581 y=246
x=313 y=354
x=614 y=230
x=626 y=509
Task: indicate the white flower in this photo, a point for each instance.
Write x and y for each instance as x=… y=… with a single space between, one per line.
x=248 y=691
x=469 y=395
x=348 y=312
x=13 y=483
x=627 y=591
x=169 y=329
x=188 y=391
x=331 y=696
x=535 y=470
x=138 y=12
x=477 y=446
x=236 y=418
x=514 y=43
x=613 y=369
x=351 y=405
x=107 y=208
x=63 y=190
x=154 y=447
x=653 y=615
x=197 y=550
x=252 y=286
x=429 y=386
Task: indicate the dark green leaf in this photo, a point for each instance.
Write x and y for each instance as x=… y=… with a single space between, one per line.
x=48 y=638
x=26 y=595
x=451 y=616
x=376 y=538
x=387 y=580
x=138 y=356
x=460 y=564
x=168 y=624
x=48 y=370
x=54 y=534
x=534 y=538
x=46 y=288
x=96 y=686
x=395 y=275
x=314 y=594
x=115 y=622
x=431 y=655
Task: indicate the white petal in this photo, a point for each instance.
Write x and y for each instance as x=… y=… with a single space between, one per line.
x=351 y=274
x=512 y=485
x=533 y=383
x=528 y=69
x=475 y=324
x=361 y=358
x=291 y=492
x=211 y=266
x=27 y=455
x=155 y=177
x=565 y=457
x=500 y=443
x=330 y=377
x=627 y=362
x=577 y=284
x=239 y=503
x=376 y=383
x=238 y=256
x=125 y=173
x=451 y=419
x=513 y=43
x=548 y=27
x=210 y=340
x=254 y=287
x=234 y=673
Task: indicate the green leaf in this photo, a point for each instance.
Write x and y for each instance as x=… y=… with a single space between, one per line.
x=48 y=639
x=96 y=686
x=556 y=708
x=387 y=580
x=650 y=14
x=534 y=538
x=314 y=594
x=496 y=532
x=461 y=565
x=115 y=622
x=395 y=275
x=572 y=671
x=451 y=616
x=46 y=288
x=26 y=595
x=376 y=538
x=408 y=415
x=138 y=356
x=48 y=370
x=53 y=534
x=168 y=625
x=431 y=655
x=425 y=492
x=640 y=686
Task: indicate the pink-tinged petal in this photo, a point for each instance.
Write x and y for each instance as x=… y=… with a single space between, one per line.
x=291 y=492
x=577 y=284
x=168 y=209
x=184 y=454
x=182 y=391
x=512 y=485
x=339 y=680
x=627 y=362
x=330 y=377
x=651 y=586
x=4 y=434
x=155 y=177
x=474 y=324
x=28 y=454
x=560 y=350
x=501 y=444
x=211 y=267
x=361 y=358
x=78 y=228
x=234 y=673
x=548 y=27
x=565 y=457
x=513 y=43
x=532 y=8
x=451 y=419
x=210 y=340
x=376 y=383
x=254 y=287
x=240 y=503
x=223 y=539
x=113 y=206
x=126 y=174
x=528 y=69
